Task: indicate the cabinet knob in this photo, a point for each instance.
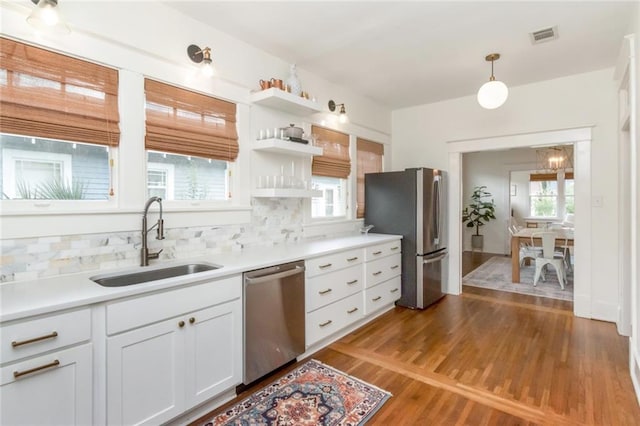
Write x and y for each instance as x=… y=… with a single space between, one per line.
x=181 y=324
x=192 y=320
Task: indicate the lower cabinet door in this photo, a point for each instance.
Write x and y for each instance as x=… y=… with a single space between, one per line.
x=146 y=374
x=215 y=361
x=53 y=389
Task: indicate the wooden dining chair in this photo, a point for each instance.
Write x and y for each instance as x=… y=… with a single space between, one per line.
x=549 y=257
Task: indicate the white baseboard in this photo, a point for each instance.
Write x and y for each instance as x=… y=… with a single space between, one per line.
x=634 y=366
x=623 y=326
x=582 y=305
x=604 y=311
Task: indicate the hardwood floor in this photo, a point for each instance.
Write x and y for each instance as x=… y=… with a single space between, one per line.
x=491 y=358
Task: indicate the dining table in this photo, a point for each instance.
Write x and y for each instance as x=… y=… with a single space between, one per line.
x=564 y=236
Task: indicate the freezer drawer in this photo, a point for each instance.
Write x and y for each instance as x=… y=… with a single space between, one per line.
x=432 y=270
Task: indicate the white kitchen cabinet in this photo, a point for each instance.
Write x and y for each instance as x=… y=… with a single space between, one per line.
x=158 y=370
x=379 y=270
x=345 y=287
x=46 y=373
x=381 y=295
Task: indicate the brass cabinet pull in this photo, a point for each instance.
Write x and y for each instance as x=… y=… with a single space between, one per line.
x=181 y=324
x=375 y=299
x=325 y=291
x=326 y=323
x=352 y=282
x=395 y=248
x=35 y=339
x=17 y=374
x=351 y=259
x=350 y=311
x=395 y=267
x=375 y=253
x=192 y=320
x=394 y=290
x=377 y=273
x=325 y=266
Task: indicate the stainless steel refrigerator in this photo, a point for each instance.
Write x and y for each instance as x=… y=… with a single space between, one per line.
x=412 y=203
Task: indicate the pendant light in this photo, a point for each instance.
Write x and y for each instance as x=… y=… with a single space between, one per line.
x=493 y=93
x=45 y=16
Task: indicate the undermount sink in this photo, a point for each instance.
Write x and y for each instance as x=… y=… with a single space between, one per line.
x=124 y=279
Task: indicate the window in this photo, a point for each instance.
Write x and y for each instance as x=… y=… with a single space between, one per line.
x=190 y=140
x=551 y=195
x=369 y=157
x=569 y=194
x=182 y=177
x=333 y=202
x=329 y=174
x=36 y=168
x=59 y=117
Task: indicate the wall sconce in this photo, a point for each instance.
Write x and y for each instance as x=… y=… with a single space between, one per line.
x=198 y=55
x=343 y=113
x=46 y=17
x=493 y=93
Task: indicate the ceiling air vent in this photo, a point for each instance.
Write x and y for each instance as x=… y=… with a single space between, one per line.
x=543 y=35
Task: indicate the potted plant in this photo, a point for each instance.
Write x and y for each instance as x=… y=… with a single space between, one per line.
x=479 y=212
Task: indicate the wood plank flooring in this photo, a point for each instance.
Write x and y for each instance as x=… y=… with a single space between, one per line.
x=490 y=358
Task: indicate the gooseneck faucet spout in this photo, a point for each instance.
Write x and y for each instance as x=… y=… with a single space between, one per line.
x=144 y=251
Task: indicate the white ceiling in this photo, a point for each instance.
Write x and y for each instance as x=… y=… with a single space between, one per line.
x=407 y=53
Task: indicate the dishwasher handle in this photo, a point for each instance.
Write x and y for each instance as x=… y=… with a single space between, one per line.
x=276 y=276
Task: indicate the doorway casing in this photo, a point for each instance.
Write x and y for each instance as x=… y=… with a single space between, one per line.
x=581 y=138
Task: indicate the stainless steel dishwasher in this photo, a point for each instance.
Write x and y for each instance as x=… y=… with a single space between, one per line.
x=274 y=314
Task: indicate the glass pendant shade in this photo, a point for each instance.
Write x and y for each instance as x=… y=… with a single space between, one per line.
x=45 y=17
x=492 y=94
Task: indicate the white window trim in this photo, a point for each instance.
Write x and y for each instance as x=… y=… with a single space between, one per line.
x=10 y=156
x=561 y=208
x=170 y=170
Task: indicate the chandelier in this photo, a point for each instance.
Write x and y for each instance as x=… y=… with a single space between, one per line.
x=555 y=158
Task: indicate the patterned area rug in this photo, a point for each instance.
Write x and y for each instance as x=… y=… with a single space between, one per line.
x=312 y=394
x=495 y=274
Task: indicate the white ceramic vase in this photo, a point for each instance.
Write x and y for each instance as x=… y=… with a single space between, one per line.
x=293 y=82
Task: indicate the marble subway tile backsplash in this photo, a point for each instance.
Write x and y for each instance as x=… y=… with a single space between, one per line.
x=273 y=222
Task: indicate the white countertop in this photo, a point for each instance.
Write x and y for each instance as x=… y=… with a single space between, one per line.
x=26 y=298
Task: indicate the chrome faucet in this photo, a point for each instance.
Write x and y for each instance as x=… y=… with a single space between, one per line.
x=144 y=251
x=365 y=229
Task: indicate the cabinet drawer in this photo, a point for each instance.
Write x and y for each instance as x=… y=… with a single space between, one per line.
x=332 y=318
x=34 y=336
x=333 y=262
x=144 y=310
x=382 y=269
x=381 y=295
x=382 y=250
x=327 y=288
x=52 y=389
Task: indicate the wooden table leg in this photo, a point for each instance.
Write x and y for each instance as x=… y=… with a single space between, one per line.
x=515 y=259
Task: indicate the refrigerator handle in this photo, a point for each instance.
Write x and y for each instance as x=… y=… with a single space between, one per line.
x=435 y=259
x=436 y=208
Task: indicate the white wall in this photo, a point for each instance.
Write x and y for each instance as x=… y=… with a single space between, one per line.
x=150 y=39
x=420 y=135
x=520 y=202
x=491 y=169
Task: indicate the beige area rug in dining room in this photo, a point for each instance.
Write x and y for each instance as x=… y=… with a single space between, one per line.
x=495 y=274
